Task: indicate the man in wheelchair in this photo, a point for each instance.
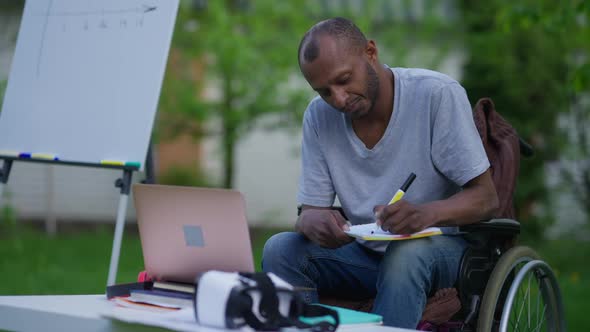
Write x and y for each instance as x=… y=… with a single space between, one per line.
x=369 y=128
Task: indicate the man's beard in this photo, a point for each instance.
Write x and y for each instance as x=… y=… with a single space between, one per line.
x=372 y=92
x=372 y=86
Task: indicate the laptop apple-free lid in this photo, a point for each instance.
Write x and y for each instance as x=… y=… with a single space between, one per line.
x=186 y=231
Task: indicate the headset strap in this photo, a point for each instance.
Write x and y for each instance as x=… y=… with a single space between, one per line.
x=269 y=304
x=269 y=309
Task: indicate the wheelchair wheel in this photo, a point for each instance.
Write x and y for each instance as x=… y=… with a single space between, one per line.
x=521 y=295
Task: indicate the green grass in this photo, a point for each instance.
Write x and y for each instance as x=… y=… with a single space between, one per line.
x=74 y=262
x=77 y=263
x=568 y=259
x=71 y=263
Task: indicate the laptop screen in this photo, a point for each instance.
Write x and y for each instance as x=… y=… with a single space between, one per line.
x=186 y=231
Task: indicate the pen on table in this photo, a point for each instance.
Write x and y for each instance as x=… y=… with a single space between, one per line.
x=400 y=193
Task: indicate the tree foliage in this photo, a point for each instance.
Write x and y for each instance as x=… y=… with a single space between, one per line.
x=569 y=23
x=247 y=50
x=526 y=56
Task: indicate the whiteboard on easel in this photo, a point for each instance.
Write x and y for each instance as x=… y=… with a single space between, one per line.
x=86 y=78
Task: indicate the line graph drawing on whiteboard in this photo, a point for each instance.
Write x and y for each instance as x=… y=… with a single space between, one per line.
x=106 y=18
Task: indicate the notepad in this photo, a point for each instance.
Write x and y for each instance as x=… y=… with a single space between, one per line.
x=370 y=232
x=347 y=317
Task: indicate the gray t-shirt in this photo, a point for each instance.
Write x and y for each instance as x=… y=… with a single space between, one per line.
x=431 y=133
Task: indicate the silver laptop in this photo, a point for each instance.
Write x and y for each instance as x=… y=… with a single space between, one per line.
x=185 y=231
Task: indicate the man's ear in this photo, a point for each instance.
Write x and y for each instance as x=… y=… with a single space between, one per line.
x=371 y=50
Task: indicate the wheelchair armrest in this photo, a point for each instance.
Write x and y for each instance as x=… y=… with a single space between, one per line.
x=507 y=226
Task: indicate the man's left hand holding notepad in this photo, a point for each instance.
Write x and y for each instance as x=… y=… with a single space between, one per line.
x=324 y=226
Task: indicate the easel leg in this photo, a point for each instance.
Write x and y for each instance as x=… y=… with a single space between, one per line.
x=119 y=227
x=4 y=173
x=125 y=185
x=50 y=219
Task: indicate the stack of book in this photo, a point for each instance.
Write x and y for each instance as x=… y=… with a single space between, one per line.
x=174 y=286
x=156 y=296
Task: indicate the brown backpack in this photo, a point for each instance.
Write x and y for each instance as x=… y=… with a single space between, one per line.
x=502 y=146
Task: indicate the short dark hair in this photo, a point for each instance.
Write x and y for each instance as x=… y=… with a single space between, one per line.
x=340 y=28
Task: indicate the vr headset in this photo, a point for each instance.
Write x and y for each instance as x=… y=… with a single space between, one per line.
x=259 y=300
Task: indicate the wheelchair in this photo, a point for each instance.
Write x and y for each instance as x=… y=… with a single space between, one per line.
x=505 y=287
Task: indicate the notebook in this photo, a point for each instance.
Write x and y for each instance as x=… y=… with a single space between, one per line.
x=185 y=231
x=370 y=232
x=348 y=317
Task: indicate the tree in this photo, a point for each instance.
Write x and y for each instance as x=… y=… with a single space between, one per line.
x=249 y=48
x=568 y=22
x=2 y=91
x=521 y=56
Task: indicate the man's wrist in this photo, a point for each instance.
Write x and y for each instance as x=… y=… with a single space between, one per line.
x=436 y=211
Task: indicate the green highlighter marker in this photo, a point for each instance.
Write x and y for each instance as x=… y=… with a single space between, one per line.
x=400 y=193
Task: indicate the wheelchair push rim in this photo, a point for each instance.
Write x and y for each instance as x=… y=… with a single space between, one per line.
x=521 y=298
x=498 y=300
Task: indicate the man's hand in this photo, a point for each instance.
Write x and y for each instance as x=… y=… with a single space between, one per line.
x=476 y=201
x=324 y=227
x=403 y=217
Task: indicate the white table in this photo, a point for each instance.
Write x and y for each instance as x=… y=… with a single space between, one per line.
x=82 y=313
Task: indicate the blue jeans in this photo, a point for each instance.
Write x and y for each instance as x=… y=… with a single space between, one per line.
x=400 y=279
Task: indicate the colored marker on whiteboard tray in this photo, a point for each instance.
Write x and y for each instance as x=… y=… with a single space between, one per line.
x=133 y=164
x=112 y=162
x=120 y=163
x=9 y=153
x=46 y=156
